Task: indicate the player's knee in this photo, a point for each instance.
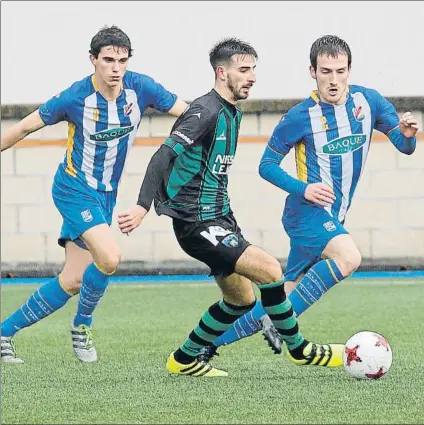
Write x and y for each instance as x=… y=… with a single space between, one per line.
x=272 y=271
x=349 y=262
x=109 y=262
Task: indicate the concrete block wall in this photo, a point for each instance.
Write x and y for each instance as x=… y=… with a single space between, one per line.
x=386 y=219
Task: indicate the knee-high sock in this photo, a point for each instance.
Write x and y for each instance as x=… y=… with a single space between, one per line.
x=214 y=322
x=279 y=310
x=314 y=284
x=94 y=284
x=44 y=301
x=245 y=326
x=319 y=279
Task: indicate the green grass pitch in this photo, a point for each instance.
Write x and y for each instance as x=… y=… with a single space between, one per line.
x=137 y=325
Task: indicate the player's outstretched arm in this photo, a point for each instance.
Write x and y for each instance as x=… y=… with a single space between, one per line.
x=20 y=130
x=179 y=107
x=131 y=218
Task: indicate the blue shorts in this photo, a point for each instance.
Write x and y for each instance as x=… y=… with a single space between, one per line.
x=81 y=206
x=310 y=228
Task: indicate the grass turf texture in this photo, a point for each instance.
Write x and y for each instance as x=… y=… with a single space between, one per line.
x=136 y=327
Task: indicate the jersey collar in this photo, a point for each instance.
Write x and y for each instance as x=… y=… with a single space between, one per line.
x=229 y=105
x=96 y=87
x=317 y=99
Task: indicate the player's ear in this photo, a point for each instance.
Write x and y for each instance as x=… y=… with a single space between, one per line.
x=313 y=72
x=221 y=73
x=93 y=60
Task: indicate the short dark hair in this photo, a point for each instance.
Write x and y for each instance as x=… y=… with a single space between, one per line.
x=110 y=36
x=223 y=51
x=329 y=45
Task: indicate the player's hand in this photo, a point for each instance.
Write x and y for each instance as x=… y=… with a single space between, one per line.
x=320 y=194
x=408 y=125
x=131 y=218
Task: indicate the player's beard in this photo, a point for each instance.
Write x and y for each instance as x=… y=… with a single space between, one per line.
x=233 y=89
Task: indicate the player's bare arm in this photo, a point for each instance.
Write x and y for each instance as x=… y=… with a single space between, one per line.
x=179 y=107
x=20 y=130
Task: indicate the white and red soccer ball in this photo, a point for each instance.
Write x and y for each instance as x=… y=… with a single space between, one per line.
x=367 y=355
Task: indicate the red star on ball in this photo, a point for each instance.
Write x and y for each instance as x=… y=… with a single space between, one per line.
x=377 y=375
x=351 y=355
x=381 y=341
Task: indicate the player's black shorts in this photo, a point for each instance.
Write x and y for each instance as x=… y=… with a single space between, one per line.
x=218 y=243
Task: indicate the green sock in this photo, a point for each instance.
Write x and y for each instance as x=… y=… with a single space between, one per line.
x=279 y=310
x=214 y=322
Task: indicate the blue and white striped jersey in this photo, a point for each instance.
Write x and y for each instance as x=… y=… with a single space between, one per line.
x=332 y=141
x=101 y=132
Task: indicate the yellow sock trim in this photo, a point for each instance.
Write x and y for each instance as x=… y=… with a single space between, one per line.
x=100 y=269
x=63 y=288
x=332 y=271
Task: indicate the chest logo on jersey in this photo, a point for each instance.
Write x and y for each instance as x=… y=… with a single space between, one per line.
x=344 y=144
x=358 y=113
x=128 y=109
x=222 y=164
x=112 y=133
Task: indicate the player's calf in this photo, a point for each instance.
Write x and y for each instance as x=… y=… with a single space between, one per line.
x=314 y=284
x=47 y=299
x=106 y=254
x=214 y=322
x=278 y=321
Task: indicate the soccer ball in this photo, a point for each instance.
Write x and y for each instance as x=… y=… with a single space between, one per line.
x=367 y=355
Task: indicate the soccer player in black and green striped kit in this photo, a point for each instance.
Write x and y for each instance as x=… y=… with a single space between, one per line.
x=187 y=179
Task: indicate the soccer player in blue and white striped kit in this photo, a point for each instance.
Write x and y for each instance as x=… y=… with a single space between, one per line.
x=331 y=134
x=104 y=111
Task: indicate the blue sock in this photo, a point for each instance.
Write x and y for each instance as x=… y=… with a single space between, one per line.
x=94 y=284
x=43 y=302
x=246 y=325
x=317 y=281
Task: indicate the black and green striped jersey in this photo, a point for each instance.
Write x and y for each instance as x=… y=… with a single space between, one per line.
x=204 y=139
